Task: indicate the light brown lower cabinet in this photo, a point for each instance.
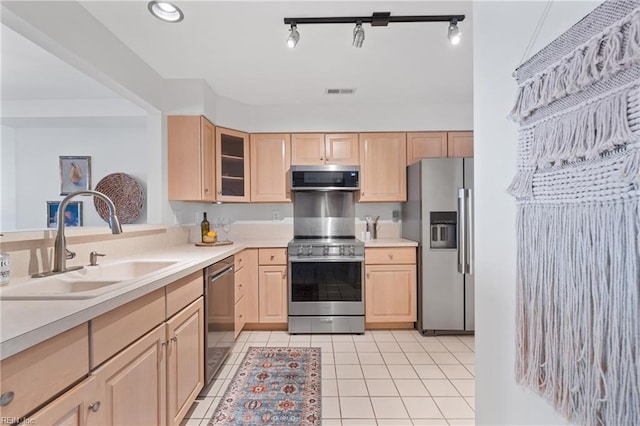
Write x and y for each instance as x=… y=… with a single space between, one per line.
x=131 y=387
x=185 y=360
x=155 y=380
x=74 y=407
x=390 y=285
x=272 y=284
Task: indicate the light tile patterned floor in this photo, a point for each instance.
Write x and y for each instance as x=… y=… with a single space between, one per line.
x=383 y=377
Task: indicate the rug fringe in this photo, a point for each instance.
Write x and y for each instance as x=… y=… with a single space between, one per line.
x=590 y=312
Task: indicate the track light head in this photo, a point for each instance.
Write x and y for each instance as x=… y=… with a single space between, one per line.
x=453 y=33
x=294 y=37
x=358 y=35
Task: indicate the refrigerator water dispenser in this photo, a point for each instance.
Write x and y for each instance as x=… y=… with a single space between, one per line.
x=443 y=230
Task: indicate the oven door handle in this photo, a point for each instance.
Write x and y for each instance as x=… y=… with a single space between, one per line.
x=326 y=259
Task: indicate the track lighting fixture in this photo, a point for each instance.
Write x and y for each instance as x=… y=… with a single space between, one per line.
x=294 y=36
x=358 y=35
x=453 y=32
x=377 y=19
x=165 y=11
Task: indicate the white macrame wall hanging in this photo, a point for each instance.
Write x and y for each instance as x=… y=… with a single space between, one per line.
x=578 y=191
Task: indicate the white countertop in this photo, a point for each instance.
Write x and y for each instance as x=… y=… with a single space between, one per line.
x=25 y=323
x=390 y=242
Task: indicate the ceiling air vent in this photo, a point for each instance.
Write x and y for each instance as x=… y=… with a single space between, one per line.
x=340 y=91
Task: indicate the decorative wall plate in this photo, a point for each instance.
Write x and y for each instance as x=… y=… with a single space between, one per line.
x=125 y=192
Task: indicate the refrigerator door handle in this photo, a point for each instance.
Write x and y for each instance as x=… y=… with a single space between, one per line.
x=462 y=237
x=469 y=232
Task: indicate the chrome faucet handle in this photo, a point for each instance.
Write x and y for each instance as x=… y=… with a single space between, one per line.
x=70 y=254
x=93 y=257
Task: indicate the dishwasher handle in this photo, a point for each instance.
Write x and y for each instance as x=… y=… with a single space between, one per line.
x=220 y=273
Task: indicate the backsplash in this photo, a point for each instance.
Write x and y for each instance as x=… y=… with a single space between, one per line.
x=32 y=252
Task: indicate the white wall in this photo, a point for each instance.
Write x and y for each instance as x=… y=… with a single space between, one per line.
x=502 y=31
x=37 y=176
x=7 y=178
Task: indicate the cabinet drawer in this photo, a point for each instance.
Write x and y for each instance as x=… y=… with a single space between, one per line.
x=277 y=256
x=183 y=292
x=115 y=330
x=240 y=259
x=37 y=374
x=389 y=255
x=240 y=283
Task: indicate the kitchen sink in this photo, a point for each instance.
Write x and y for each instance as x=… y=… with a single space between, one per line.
x=92 y=281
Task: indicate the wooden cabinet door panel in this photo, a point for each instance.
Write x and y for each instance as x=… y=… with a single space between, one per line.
x=273 y=294
x=390 y=293
x=426 y=145
x=250 y=268
x=383 y=163
x=185 y=360
x=208 y=141
x=307 y=149
x=271 y=154
x=71 y=408
x=342 y=149
x=460 y=144
x=131 y=386
x=239 y=317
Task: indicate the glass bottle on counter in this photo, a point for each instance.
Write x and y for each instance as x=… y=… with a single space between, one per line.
x=204 y=227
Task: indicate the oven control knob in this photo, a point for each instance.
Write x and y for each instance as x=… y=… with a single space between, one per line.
x=309 y=250
x=352 y=250
x=341 y=250
x=325 y=250
x=300 y=250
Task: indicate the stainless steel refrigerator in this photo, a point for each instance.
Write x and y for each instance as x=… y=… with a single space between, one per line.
x=439 y=215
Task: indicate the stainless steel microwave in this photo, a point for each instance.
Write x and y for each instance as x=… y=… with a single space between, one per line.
x=325 y=178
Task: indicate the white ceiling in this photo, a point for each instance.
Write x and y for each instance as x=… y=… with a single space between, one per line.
x=239 y=49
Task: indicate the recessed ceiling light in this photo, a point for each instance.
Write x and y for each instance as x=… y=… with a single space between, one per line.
x=165 y=11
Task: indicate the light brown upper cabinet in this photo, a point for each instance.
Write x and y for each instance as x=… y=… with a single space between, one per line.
x=438 y=144
x=460 y=144
x=321 y=149
x=426 y=145
x=232 y=165
x=271 y=159
x=191 y=158
x=383 y=163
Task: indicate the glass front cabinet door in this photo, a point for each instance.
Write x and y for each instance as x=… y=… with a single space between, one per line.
x=232 y=165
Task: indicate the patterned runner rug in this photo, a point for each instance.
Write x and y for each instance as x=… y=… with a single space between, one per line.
x=274 y=386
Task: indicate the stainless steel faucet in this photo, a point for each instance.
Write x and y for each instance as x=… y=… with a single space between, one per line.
x=60 y=252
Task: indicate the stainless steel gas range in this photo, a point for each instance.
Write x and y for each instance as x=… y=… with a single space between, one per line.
x=326 y=262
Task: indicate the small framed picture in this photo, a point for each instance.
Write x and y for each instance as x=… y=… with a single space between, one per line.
x=72 y=214
x=75 y=174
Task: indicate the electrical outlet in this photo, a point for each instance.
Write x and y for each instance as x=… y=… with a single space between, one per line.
x=396 y=215
x=275 y=215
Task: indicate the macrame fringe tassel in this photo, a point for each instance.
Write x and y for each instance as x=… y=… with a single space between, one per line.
x=522 y=185
x=630 y=171
x=602 y=57
x=578 y=328
x=584 y=133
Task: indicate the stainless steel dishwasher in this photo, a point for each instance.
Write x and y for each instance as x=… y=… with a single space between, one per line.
x=219 y=317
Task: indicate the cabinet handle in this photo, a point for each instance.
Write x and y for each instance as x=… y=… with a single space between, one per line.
x=321 y=158
x=206 y=190
x=240 y=316
x=362 y=194
x=272 y=257
x=165 y=343
x=284 y=274
x=368 y=275
x=94 y=406
x=174 y=339
x=6 y=398
x=239 y=285
x=391 y=256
